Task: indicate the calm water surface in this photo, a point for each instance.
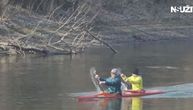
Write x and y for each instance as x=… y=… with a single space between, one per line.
x=44 y=83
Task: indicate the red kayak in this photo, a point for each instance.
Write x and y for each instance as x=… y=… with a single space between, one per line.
x=141 y=93
x=124 y=94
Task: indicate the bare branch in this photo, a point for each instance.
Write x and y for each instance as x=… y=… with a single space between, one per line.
x=105 y=43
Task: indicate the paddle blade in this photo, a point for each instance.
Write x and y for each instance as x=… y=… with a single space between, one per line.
x=94 y=80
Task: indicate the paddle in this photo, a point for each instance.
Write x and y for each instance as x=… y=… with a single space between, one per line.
x=95 y=80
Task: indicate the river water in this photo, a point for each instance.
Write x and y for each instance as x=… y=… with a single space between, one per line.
x=47 y=83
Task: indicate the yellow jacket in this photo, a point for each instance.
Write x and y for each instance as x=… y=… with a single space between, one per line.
x=136 y=81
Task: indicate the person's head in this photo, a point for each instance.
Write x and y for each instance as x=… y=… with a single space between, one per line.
x=114 y=72
x=136 y=71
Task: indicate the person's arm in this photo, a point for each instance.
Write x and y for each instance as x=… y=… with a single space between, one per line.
x=99 y=78
x=112 y=82
x=125 y=78
x=102 y=79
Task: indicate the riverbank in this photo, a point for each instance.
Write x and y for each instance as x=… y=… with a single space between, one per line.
x=146 y=31
x=26 y=32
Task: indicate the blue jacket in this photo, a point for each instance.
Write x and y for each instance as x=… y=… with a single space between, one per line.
x=114 y=84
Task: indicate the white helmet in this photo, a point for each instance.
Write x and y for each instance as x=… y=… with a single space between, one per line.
x=116 y=71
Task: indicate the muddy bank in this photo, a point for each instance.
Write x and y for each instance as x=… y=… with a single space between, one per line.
x=145 y=32
x=143 y=20
x=23 y=31
x=26 y=32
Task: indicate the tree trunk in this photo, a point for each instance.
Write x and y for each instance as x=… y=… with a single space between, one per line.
x=52 y=5
x=3 y=4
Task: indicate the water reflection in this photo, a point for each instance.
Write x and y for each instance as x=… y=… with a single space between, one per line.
x=34 y=83
x=134 y=103
x=108 y=104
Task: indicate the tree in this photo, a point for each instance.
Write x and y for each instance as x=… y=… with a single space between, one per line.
x=3 y=4
x=45 y=6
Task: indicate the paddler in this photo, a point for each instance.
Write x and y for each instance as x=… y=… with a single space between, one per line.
x=113 y=83
x=135 y=80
